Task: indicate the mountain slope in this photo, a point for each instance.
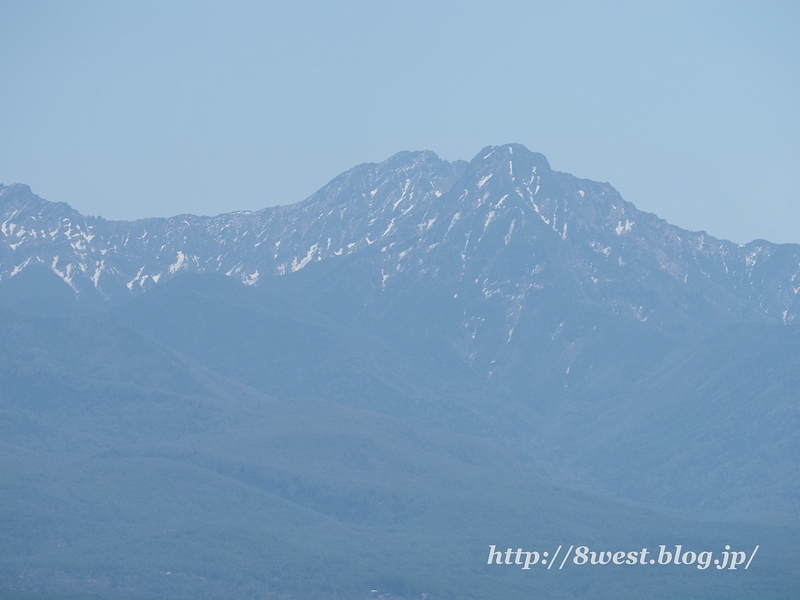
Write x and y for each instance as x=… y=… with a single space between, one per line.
x=187 y=484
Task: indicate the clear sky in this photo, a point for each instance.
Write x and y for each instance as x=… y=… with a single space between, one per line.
x=134 y=109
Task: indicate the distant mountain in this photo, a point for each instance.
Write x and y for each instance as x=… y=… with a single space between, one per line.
x=446 y=283
x=496 y=313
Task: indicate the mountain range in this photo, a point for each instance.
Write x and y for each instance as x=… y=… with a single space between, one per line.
x=506 y=219
x=492 y=324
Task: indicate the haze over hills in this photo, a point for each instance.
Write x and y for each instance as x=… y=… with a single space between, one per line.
x=496 y=316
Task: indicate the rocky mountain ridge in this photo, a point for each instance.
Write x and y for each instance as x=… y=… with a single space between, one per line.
x=500 y=230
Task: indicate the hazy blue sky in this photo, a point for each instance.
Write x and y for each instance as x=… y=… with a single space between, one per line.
x=129 y=110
